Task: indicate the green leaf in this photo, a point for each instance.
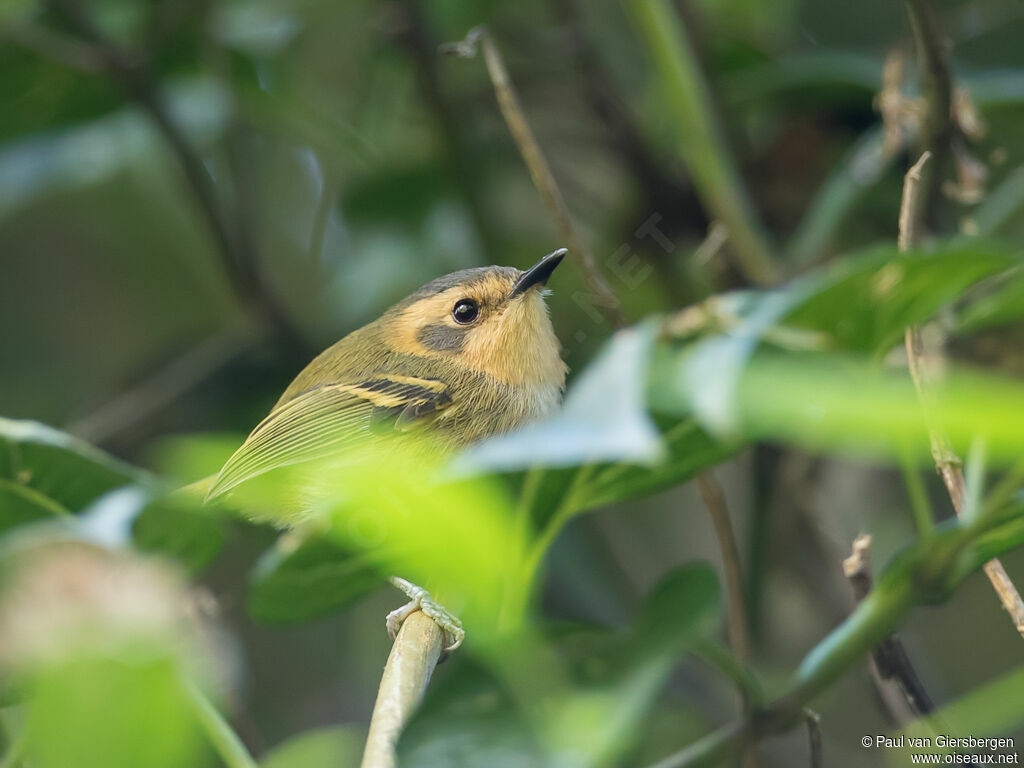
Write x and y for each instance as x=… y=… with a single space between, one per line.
x=849 y=404
x=20 y=504
x=320 y=576
x=604 y=416
x=59 y=467
x=333 y=747
x=180 y=529
x=866 y=301
x=602 y=447
x=101 y=712
x=684 y=606
x=1002 y=306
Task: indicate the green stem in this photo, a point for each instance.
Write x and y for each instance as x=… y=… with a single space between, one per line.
x=921 y=510
x=223 y=739
x=701 y=141
x=926 y=573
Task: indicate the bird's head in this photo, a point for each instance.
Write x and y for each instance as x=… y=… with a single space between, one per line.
x=490 y=319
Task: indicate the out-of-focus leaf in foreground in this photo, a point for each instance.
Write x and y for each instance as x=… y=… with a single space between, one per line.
x=102 y=647
x=831 y=402
x=601 y=446
x=391 y=506
x=604 y=417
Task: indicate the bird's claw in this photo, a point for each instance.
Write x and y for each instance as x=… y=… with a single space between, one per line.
x=420 y=600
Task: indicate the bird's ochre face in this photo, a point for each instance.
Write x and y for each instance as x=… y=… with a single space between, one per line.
x=490 y=319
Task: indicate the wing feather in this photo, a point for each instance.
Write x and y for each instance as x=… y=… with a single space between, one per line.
x=327 y=419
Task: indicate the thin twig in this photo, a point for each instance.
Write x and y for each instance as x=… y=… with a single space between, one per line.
x=163 y=386
x=937 y=89
x=921 y=362
x=890 y=662
x=925 y=573
x=413 y=657
x=536 y=163
x=739 y=635
x=714 y=500
x=813 y=721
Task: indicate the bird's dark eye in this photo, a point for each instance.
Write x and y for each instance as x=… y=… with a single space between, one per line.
x=465 y=311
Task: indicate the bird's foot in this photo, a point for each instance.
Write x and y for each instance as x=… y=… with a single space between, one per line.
x=420 y=600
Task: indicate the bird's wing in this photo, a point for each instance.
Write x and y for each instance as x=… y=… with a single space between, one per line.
x=327 y=419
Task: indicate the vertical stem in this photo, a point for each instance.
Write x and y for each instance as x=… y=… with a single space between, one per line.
x=920 y=360
x=714 y=500
x=540 y=171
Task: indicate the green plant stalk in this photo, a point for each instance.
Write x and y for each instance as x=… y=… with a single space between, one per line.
x=701 y=142
x=224 y=740
x=925 y=573
x=924 y=520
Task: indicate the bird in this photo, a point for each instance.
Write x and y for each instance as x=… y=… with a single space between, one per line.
x=470 y=355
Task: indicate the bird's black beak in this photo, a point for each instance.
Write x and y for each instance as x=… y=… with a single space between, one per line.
x=539 y=273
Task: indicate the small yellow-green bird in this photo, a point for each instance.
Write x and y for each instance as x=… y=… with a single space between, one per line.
x=467 y=356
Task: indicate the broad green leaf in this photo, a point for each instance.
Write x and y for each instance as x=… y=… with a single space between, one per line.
x=180 y=529
x=849 y=404
x=684 y=606
x=604 y=416
x=867 y=301
x=20 y=504
x=319 y=576
x=1002 y=306
x=879 y=293
x=100 y=712
x=601 y=447
x=58 y=466
x=333 y=747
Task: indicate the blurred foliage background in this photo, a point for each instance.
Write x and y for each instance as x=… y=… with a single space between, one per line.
x=196 y=196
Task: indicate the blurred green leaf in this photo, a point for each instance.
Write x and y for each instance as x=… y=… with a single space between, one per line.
x=684 y=606
x=20 y=504
x=180 y=529
x=601 y=447
x=57 y=466
x=847 y=404
x=336 y=747
x=317 y=577
x=1001 y=306
x=880 y=293
x=604 y=416
x=98 y=713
